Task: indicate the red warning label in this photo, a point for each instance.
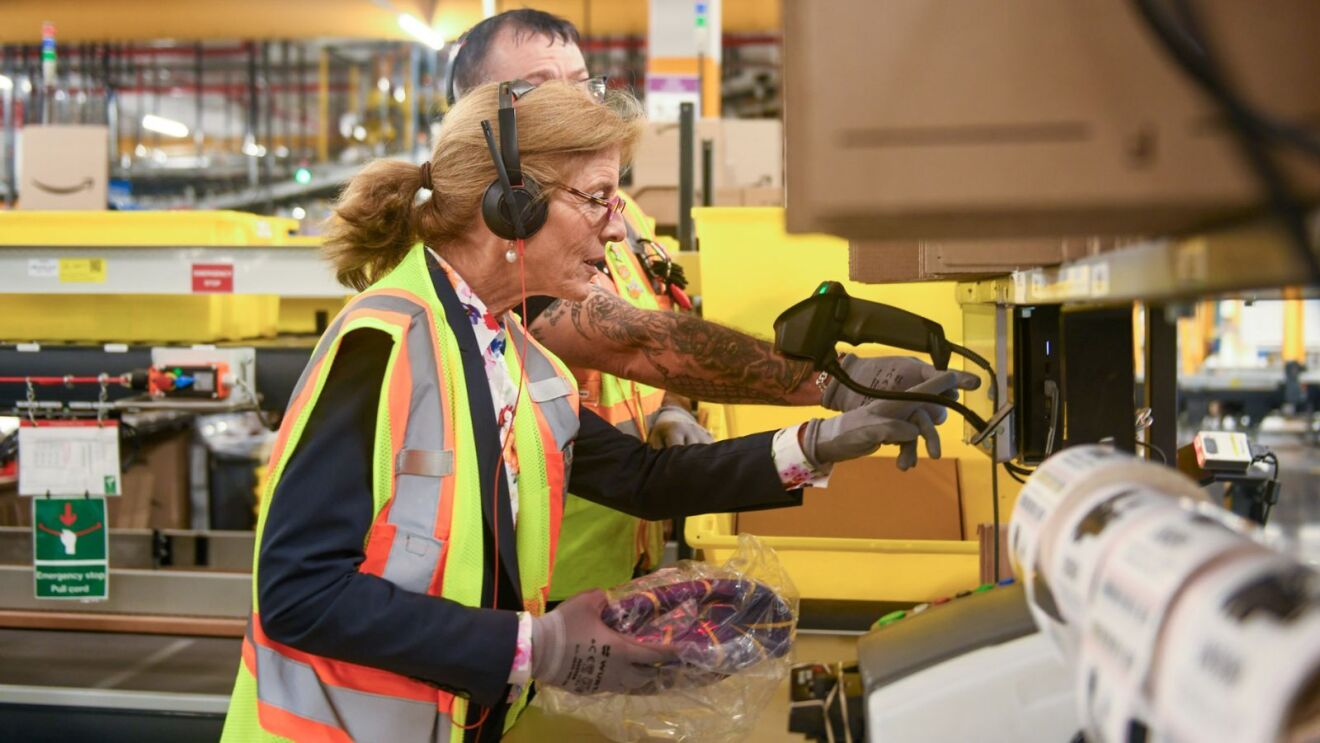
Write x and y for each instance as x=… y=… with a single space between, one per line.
x=213 y=278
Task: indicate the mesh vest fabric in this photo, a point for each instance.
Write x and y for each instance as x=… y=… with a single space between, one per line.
x=600 y=547
x=427 y=534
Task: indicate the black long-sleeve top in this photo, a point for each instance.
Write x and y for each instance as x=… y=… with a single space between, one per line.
x=312 y=596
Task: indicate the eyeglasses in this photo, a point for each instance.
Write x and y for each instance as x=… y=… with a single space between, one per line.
x=612 y=206
x=595 y=87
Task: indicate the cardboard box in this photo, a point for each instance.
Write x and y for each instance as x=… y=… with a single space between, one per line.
x=893 y=261
x=747 y=152
x=869 y=498
x=63 y=167
x=155 y=489
x=958 y=119
x=986 y=542
x=661 y=202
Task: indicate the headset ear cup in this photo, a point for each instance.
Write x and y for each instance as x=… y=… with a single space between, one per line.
x=497 y=210
x=535 y=209
x=493 y=213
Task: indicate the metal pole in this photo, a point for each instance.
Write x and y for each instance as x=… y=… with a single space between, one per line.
x=686 y=127
x=1161 y=386
x=8 y=161
x=253 y=111
x=286 y=100
x=410 y=110
x=268 y=123
x=323 y=107
x=302 y=100
x=198 y=73
x=707 y=172
x=111 y=103
x=383 y=109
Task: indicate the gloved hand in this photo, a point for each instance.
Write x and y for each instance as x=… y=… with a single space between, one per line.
x=573 y=648
x=675 y=426
x=887 y=373
x=863 y=430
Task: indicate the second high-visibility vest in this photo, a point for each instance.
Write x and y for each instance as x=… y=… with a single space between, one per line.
x=600 y=547
x=427 y=535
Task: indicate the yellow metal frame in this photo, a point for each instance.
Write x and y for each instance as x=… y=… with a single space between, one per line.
x=751 y=270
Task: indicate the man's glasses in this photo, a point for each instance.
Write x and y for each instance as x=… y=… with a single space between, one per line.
x=612 y=206
x=595 y=87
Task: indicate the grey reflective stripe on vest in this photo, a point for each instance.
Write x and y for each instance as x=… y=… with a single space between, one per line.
x=414 y=553
x=294 y=687
x=318 y=353
x=547 y=389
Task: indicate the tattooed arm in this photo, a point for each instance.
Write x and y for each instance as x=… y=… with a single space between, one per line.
x=674 y=351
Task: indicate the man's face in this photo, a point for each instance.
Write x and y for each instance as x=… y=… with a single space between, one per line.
x=534 y=58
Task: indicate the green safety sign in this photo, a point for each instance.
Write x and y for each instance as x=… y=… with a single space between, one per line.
x=70 y=545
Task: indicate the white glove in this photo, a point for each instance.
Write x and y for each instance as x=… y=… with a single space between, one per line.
x=675 y=426
x=859 y=432
x=895 y=373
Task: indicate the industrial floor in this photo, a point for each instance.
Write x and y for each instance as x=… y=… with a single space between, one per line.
x=42 y=666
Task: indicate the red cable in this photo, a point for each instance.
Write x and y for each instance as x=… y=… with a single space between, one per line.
x=499 y=465
x=122 y=379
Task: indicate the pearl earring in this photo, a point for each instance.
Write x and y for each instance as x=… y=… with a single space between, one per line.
x=511 y=255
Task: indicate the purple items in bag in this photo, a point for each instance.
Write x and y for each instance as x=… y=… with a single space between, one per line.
x=720 y=625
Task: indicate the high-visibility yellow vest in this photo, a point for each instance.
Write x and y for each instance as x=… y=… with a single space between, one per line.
x=599 y=547
x=427 y=534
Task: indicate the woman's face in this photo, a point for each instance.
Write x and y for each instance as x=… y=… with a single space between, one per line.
x=561 y=257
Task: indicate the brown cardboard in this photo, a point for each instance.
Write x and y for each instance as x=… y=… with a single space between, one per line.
x=891 y=261
x=987 y=548
x=661 y=202
x=869 y=498
x=747 y=152
x=155 y=489
x=63 y=167
x=947 y=119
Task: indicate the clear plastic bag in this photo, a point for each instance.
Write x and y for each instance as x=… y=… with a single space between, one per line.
x=733 y=625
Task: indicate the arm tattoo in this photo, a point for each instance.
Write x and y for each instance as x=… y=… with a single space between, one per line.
x=694 y=357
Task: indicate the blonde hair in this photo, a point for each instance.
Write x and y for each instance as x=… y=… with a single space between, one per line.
x=378 y=217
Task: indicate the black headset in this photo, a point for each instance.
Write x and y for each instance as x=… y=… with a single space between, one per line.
x=511 y=207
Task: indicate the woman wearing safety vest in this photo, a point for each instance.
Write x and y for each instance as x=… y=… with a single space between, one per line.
x=409 y=526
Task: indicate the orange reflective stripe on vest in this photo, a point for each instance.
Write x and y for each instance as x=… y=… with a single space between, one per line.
x=407 y=541
x=427 y=503
x=294 y=699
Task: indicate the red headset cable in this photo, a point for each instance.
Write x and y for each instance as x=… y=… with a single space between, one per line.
x=499 y=464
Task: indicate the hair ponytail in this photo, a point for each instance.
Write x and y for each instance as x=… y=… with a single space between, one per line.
x=377 y=221
x=374 y=223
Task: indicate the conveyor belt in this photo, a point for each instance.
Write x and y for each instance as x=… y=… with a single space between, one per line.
x=60 y=686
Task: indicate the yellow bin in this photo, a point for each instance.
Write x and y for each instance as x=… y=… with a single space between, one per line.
x=751 y=270
x=139 y=318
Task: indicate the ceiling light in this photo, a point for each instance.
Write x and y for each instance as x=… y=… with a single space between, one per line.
x=298 y=213
x=399 y=95
x=252 y=149
x=140 y=150
x=162 y=125
x=383 y=84
x=359 y=133
x=6 y=83
x=420 y=31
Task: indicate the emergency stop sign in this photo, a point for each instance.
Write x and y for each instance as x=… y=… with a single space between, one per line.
x=213 y=278
x=70 y=547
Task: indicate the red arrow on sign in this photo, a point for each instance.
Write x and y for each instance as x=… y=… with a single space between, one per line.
x=68 y=517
